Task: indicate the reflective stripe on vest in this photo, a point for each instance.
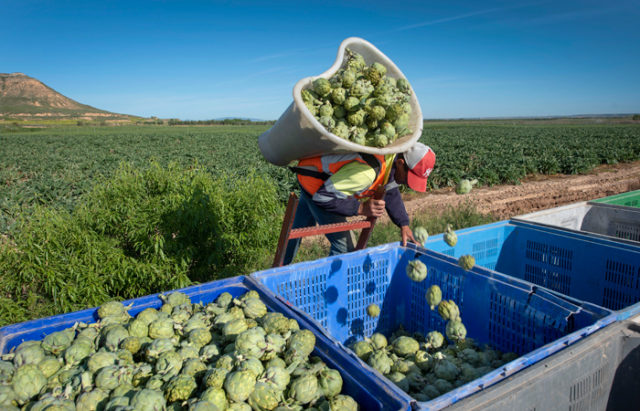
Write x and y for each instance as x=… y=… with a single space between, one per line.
x=330 y=164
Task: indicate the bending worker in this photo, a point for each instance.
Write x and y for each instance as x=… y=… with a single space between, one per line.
x=336 y=186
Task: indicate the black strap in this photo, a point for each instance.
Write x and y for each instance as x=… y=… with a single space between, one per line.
x=310 y=173
x=372 y=161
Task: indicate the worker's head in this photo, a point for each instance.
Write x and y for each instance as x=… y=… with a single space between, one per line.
x=414 y=166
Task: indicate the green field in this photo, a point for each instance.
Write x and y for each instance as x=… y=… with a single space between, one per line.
x=54 y=166
x=91 y=214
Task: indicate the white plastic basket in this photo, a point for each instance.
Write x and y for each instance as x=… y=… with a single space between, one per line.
x=297 y=134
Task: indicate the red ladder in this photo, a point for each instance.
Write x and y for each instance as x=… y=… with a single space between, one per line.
x=288 y=233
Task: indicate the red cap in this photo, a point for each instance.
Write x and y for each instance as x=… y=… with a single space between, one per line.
x=420 y=159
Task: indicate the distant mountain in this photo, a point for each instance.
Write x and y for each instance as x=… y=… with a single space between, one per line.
x=25 y=97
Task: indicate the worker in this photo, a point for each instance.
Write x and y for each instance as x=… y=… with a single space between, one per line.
x=336 y=186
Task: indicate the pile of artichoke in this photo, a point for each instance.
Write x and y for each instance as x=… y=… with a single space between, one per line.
x=230 y=354
x=360 y=103
x=427 y=366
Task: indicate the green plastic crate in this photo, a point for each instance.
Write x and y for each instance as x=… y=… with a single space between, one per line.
x=629 y=199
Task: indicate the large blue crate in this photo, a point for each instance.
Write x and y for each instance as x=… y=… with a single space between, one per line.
x=368 y=391
x=588 y=267
x=507 y=313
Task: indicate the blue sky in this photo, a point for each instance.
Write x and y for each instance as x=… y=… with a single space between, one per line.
x=210 y=59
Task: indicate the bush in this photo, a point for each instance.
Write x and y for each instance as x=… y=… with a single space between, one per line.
x=137 y=233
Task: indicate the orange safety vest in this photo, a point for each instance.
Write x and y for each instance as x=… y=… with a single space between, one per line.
x=314 y=171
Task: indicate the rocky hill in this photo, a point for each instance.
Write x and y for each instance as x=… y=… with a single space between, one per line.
x=24 y=97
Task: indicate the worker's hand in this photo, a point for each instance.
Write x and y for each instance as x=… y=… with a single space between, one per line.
x=372 y=208
x=407 y=235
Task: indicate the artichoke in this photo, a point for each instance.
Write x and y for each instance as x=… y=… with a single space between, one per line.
x=233 y=328
x=434 y=340
x=161 y=328
x=466 y=262
x=148 y=400
x=92 y=400
x=446 y=370
x=416 y=270
x=433 y=296
x=448 y=310
x=450 y=237
x=111 y=376
x=113 y=309
x=114 y=337
x=373 y=310
x=343 y=403
x=455 y=330
x=49 y=366
x=180 y=388
x=29 y=352
x=405 y=346
x=304 y=389
x=78 y=351
x=277 y=376
x=28 y=381
x=380 y=361
x=100 y=360
x=465 y=186
x=253 y=308
x=58 y=341
x=330 y=382
x=168 y=365
x=239 y=385
x=175 y=299
x=138 y=328
x=264 y=397
x=378 y=341
x=200 y=337
x=362 y=349
x=215 y=377
x=146 y=316
x=215 y=396
x=6 y=371
x=421 y=235
x=400 y=380
x=300 y=345
x=322 y=87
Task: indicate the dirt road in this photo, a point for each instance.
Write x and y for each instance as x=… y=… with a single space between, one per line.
x=536 y=193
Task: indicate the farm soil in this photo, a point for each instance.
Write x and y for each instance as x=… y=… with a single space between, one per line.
x=534 y=193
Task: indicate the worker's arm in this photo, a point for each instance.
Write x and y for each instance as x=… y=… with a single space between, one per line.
x=396 y=209
x=337 y=193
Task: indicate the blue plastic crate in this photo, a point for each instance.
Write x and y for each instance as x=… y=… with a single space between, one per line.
x=509 y=314
x=580 y=265
x=368 y=391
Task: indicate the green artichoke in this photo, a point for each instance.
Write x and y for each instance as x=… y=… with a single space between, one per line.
x=450 y=237
x=466 y=262
x=215 y=396
x=405 y=346
x=416 y=270
x=180 y=388
x=455 y=330
x=215 y=377
x=433 y=296
x=363 y=349
x=304 y=389
x=239 y=385
x=148 y=400
x=448 y=310
x=373 y=310
x=264 y=397
x=28 y=381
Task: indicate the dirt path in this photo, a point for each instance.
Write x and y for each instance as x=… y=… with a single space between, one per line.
x=536 y=193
